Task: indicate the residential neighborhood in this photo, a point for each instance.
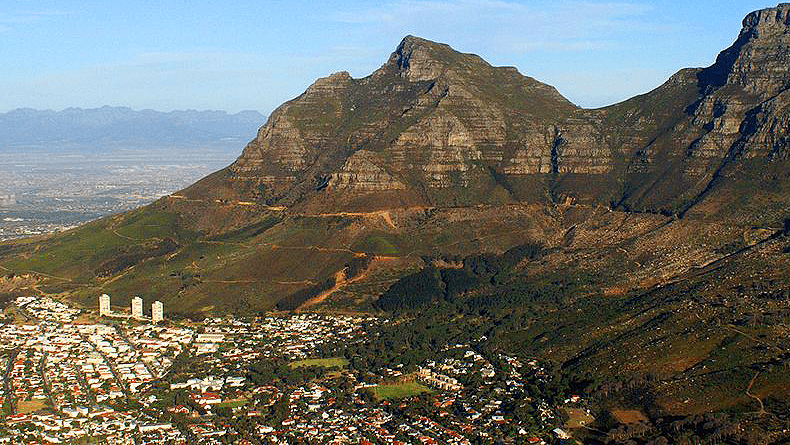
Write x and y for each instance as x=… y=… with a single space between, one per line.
x=72 y=374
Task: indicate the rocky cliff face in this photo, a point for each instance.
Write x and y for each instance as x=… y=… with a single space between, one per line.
x=433 y=126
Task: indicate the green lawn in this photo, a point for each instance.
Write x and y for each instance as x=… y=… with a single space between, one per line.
x=399 y=390
x=231 y=404
x=334 y=362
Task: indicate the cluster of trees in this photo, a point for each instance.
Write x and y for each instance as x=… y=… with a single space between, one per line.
x=434 y=283
x=357 y=266
x=269 y=371
x=710 y=428
x=8 y=297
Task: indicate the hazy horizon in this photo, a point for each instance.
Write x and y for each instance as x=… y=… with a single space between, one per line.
x=77 y=107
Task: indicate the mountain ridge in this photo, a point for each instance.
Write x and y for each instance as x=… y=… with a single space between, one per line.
x=436 y=129
x=23 y=126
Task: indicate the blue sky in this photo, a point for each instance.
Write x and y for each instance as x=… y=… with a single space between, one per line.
x=258 y=54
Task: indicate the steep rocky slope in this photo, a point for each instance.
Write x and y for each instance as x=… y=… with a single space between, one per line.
x=435 y=127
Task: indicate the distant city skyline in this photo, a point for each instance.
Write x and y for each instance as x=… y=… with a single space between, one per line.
x=255 y=55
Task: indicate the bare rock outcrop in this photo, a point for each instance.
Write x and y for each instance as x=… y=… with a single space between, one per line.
x=446 y=127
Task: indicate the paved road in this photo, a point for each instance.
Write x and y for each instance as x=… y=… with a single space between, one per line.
x=125 y=338
x=84 y=384
x=42 y=366
x=113 y=369
x=7 y=380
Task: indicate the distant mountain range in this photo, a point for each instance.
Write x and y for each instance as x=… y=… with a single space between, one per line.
x=24 y=126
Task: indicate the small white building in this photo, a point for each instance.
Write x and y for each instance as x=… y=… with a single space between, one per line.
x=157 y=312
x=104 y=304
x=147 y=428
x=137 y=307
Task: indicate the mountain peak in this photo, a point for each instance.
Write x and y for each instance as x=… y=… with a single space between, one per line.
x=410 y=42
x=768 y=20
x=756 y=61
x=421 y=59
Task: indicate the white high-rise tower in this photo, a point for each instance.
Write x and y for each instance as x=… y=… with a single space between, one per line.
x=104 y=304
x=157 y=312
x=137 y=307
